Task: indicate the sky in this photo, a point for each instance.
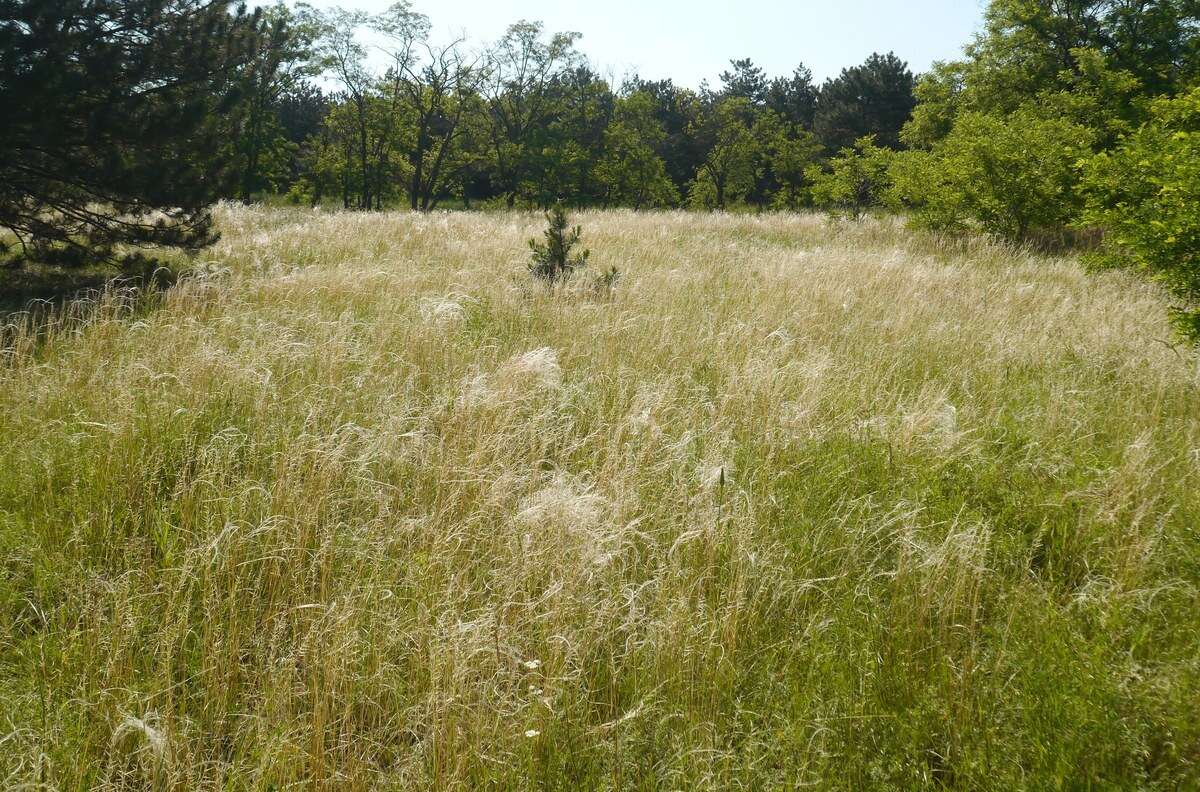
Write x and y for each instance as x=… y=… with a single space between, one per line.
x=694 y=41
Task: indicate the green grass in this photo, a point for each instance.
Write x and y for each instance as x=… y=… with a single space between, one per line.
x=354 y=506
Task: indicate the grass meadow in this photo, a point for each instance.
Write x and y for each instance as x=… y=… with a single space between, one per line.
x=356 y=506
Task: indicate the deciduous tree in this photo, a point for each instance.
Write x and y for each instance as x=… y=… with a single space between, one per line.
x=1145 y=194
x=1013 y=175
x=855 y=181
x=631 y=171
x=522 y=71
x=727 y=171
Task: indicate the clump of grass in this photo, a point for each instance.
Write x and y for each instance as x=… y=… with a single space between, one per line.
x=841 y=507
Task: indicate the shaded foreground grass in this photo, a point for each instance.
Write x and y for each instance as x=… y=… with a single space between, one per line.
x=356 y=507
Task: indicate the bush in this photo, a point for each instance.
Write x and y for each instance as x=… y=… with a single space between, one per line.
x=1013 y=176
x=857 y=179
x=1145 y=194
x=553 y=261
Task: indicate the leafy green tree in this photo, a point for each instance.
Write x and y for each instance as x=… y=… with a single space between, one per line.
x=116 y=120
x=792 y=151
x=1012 y=175
x=874 y=99
x=1000 y=133
x=356 y=154
x=727 y=172
x=1027 y=44
x=1094 y=94
x=778 y=113
x=433 y=87
x=678 y=111
x=939 y=95
x=855 y=181
x=1107 y=100
x=572 y=143
x=1090 y=61
x=285 y=60
x=767 y=131
x=318 y=172
x=631 y=171
x=401 y=132
x=358 y=124
x=782 y=154
x=1145 y=194
x=469 y=170
x=523 y=70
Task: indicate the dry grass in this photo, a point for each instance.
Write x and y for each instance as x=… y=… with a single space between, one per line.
x=356 y=507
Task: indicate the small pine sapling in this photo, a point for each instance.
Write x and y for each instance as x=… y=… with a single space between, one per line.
x=553 y=261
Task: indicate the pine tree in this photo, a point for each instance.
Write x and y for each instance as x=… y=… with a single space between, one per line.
x=117 y=121
x=874 y=99
x=553 y=261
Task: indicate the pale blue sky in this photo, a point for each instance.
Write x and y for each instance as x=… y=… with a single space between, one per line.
x=691 y=41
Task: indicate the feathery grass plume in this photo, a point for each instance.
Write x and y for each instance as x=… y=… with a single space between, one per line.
x=442 y=310
x=517 y=378
x=144 y=739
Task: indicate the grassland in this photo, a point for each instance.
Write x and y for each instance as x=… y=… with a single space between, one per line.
x=800 y=506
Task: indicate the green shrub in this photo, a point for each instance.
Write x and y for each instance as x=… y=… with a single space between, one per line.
x=856 y=181
x=1013 y=176
x=1145 y=194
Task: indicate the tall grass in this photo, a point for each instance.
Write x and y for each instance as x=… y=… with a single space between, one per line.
x=357 y=507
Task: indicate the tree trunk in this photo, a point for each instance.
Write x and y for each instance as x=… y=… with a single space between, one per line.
x=417 y=159
x=364 y=200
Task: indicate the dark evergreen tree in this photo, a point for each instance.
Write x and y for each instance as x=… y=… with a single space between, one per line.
x=300 y=110
x=117 y=120
x=875 y=98
x=746 y=81
x=794 y=98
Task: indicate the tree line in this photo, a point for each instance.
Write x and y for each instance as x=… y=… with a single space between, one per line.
x=126 y=119
x=528 y=121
